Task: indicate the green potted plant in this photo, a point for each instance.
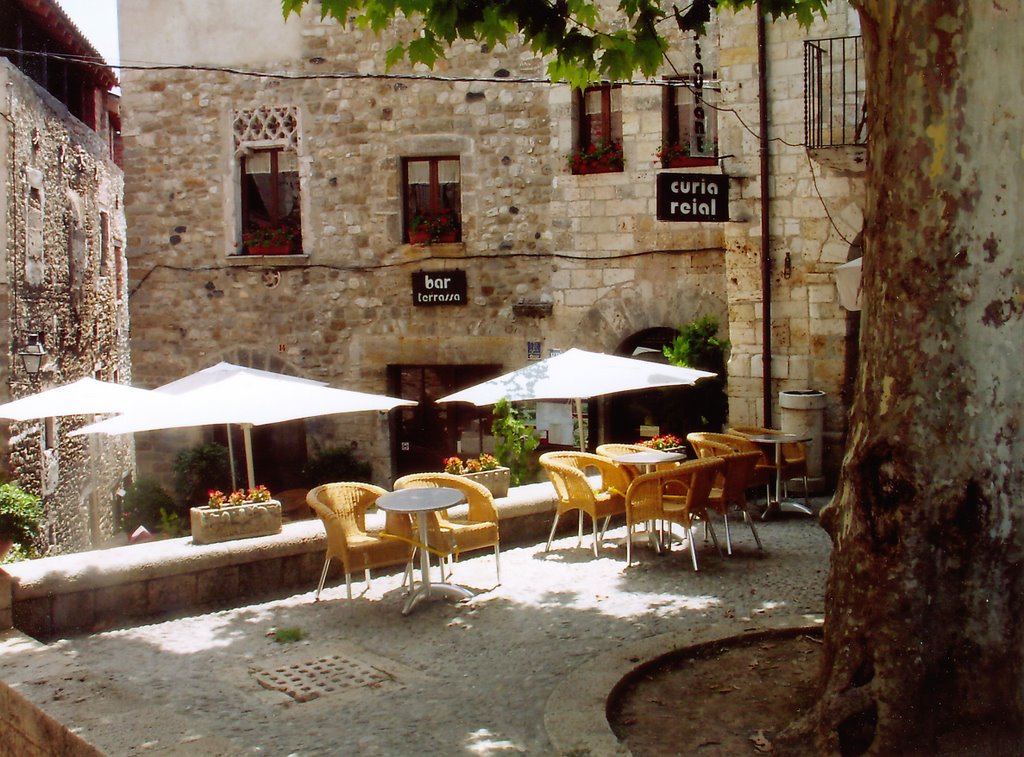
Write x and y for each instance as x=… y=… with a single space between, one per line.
x=674 y=155
x=513 y=441
x=486 y=470
x=444 y=227
x=419 y=229
x=20 y=516
x=240 y=514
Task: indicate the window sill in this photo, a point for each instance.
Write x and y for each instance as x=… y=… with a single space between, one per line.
x=600 y=169
x=438 y=249
x=269 y=261
x=688 y=162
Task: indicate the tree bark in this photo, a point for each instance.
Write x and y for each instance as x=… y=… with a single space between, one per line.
x=923 y=626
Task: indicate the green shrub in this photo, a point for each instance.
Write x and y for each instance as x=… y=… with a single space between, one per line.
x=20 y=515
x=197 y=470
x=143 y=502
x=335 y=464
x=513 y=442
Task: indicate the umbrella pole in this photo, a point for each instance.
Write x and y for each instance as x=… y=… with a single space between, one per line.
x=231 y=458
x=579 y=424
x=247 y=436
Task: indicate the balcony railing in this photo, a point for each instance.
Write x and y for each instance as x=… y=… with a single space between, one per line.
x=835 y=109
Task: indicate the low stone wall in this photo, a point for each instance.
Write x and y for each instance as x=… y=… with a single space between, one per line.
x=88 y=591
x=27 y=730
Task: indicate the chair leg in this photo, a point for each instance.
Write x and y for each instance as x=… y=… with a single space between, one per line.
x=807 y=504
x=728 y=539
x=691 y=545
x=629 y=544
x=594 y=522
x=714 y=536
x=551 y=536
x=750 y=522
x=323 y=577
x=348 y=584
x=579 y=530
x=497 y=561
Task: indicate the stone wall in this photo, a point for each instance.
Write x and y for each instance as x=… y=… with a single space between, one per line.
x=816 y=215
x=65 y=278
x=588 y=246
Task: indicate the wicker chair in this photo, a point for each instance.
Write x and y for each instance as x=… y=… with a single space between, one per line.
x=477 y=530
x=730 y=490
x=613 y=449
x=794 y=457
x=342 y=509
x=706 y=443
x=651 y=497
x=568 y=472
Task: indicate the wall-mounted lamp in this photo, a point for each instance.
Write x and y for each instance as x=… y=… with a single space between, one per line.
x=32 y=354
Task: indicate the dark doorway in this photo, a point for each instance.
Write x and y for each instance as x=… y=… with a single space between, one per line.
x=673 y=410
x=426 y=434
x=278 y=453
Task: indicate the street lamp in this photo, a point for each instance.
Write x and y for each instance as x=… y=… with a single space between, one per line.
x=32 y=354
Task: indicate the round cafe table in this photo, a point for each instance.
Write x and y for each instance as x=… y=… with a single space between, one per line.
x=778 y=438
x=422 y=502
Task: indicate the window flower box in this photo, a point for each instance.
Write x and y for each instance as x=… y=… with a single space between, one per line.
x=269 y=240
x=678 y=156
x=270 y=249
x=600 y=157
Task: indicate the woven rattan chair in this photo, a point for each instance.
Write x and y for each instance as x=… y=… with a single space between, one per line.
x=730 y=490
x=342 y=508
x=706 y=443
x=653 y=497
x=612 y=449
x=569 y=472
x=478 y=529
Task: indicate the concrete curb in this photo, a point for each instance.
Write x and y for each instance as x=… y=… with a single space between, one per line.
x=575 y=716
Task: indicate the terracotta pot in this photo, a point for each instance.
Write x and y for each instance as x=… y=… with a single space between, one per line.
x=686 y=161
x=270 y=249
x=447 y=237
x=604 y=168
x=419 y=237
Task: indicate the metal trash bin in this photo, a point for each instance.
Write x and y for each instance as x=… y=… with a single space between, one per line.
x=803 y=412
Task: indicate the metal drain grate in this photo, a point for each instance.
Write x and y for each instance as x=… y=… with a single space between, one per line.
x=328 y=675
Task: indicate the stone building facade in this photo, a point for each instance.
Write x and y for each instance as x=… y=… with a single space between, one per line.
x=543 y=259
x=63 y=268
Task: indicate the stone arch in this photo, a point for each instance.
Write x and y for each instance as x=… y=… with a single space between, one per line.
x=623 y=320
x=647 y=305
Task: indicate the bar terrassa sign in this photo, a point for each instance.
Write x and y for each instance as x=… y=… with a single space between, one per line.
x=693 y=197
x=439 y=288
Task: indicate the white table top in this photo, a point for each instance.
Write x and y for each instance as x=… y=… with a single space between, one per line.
x=419 y=500
x=649 y=457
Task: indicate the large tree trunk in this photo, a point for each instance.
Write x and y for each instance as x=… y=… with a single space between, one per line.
x=924 y=629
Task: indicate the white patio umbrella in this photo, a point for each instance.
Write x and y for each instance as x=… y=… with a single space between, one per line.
x=577 y=375
x=87 y=396
x=848 y=284
x=247 y=398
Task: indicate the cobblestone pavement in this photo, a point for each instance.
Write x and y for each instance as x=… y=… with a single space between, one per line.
x=471 y=678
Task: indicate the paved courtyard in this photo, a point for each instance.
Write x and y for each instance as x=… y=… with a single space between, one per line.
x=478 y=678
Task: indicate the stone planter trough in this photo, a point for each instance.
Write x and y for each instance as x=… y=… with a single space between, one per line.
x=496 y=480
x=216 y=524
